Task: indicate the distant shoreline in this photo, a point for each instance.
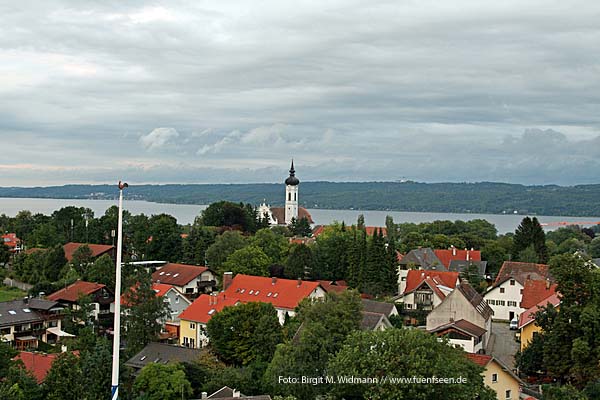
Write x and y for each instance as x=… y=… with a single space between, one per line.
x=460 y=198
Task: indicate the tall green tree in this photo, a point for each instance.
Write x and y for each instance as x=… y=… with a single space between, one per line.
x=96 y=368
x=531 y=233
x=226 y=213
x=196 y=244
x=300 y=262
x=224 y=245
x=245 y=333
x=162 y=382
x=164 y=242
x=102 y=270
x=65 y=379
x=144 y=312
x=376 y=263
x=375 y=354
x=4 y=253
x=250 y=260
x=300 y=227
x=272 y=244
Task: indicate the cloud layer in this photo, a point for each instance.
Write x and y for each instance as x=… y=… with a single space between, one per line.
x=229 y=91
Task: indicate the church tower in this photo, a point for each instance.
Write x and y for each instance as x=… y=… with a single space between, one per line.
x=291 y=196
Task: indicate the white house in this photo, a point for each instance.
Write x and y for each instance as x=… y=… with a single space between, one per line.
x=190 y=280
x=426 y=289
x=505 y=295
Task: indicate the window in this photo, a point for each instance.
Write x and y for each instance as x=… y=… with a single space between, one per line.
x=294 y=196
x=500 y=303
x=12 y=312
x=512 y=282
x=494 y=378
x=289 y=197
x=508 y=394
x=501 y=290
x=403 y=279
x=192 y=325
x=512 y=303
x=491 y=302
x=177 y=300
x=521 y=291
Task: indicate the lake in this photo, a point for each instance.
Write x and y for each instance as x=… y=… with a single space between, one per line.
x=185 y=213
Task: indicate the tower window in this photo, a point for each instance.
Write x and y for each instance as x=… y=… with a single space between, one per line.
x=294 y=196
x=289 y=197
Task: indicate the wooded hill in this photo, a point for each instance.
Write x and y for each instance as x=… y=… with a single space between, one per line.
x=483 y=197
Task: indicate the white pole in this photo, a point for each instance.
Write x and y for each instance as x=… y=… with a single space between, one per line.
x=117 y=325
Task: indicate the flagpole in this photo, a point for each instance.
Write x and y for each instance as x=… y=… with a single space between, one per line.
x=117 y=325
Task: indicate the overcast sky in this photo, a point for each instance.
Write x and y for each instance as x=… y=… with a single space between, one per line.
x=230 y=91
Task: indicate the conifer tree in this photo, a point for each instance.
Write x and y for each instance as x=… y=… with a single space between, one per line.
x=531 y=233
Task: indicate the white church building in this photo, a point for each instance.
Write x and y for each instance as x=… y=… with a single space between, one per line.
x=284 y=215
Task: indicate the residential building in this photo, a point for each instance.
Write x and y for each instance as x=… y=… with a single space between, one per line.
x=505 y=295
x=190 y=280
x=283 y=294
x=497 y=376
x=227 y=393
x=372 y=321
x=101 y=297
x=527 y=325
x=291 y=210
x=11 y=241
x=334 y=286
x=97 y=250
x=161 y=353
x=426 y=289
x=465 y=317
x=25 y=322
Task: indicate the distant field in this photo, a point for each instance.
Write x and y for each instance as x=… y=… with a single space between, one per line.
x=10 y=293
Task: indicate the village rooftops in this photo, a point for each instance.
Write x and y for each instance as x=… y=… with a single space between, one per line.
x=334 y=286
x=205 y=306
x=38 y=363
x=96 y=249
x=159 y=288
x=461 y=325
x=454 y=254
x=177 y=274
x=22 y=311
x=535 y=291
x=528 y=316
x=434 y=279
x=476 y=300
x=74 y=291
x=163 y=354
x=380 y=307
x=279 y=214
x=521 y=271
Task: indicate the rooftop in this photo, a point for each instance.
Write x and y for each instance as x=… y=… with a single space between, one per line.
x=75 y=290
x=521 y=271
x=162 y=353
x=535 y=291
x=97 y=249
x=177 y=274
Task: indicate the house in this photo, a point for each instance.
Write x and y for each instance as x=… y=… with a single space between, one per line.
x=426 y=289
x=98 y=250
x=374 y=321
x=284 y=294
x=101 y=297
x=497 y=376
x=291 y=211
x=333 y=286
x=162 y=353
x=464 y=317
x=505 y=295
x=11 y=241
x=527 y=324
x=227 y=393
x=190 y=280
x=193 y=320
x=25 y=322
x=422 y=258
x=536 y=291
x=387 y=309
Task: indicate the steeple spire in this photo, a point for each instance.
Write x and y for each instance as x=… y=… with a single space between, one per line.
x=292 y=170
x=292 y=180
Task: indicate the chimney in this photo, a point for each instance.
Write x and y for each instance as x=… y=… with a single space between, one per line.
x=299 y=282
x=216 y=299
x=467 y=255
x=158 y=281
x=26 y=299
x=236 y=393
x=547 y=284
x=453 y=250
x=227 y=279
x=204 y=395
x=273 y=280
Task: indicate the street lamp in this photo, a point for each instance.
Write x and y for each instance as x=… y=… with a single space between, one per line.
x=117 y=325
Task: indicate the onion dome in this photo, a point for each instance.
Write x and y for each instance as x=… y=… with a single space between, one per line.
x=292 y=180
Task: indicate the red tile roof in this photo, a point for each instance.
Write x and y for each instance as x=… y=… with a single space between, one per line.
x=205 y=306
x=38 y=363
x=416 y=277
x=522 y=271
x=177 y=274
x=446 y=256
x=462 y=325
x=479 y=359
x=97 y=249
x=159 y=288
x=333 y=286
x=10 y=240
x=282 y=293
x=528 y=315
x=279 y=214
x=75 y=290
x=536 y=291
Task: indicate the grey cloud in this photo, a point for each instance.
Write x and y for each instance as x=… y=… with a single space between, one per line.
x=351 y=89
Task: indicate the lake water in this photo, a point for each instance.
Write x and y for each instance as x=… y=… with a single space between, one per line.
x=185 y=213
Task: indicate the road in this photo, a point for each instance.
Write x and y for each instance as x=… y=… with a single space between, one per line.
x=504 y=344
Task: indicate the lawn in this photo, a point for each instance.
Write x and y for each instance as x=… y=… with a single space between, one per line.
x=10 y=293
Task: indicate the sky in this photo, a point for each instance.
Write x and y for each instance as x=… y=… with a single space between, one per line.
x=231 y=91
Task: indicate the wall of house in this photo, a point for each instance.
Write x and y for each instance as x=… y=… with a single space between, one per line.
x=511 y=293
x=409 y=300
x=468 y=345
x=402 y=274
x=177 y=303
x=504 y=382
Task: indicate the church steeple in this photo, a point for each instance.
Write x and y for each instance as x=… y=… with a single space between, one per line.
x=292 y=180
x=291 y=196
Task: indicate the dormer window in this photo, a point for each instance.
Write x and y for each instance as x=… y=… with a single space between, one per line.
x=512 y=282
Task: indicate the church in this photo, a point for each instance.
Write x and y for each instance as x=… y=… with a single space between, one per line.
x=284 y=215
